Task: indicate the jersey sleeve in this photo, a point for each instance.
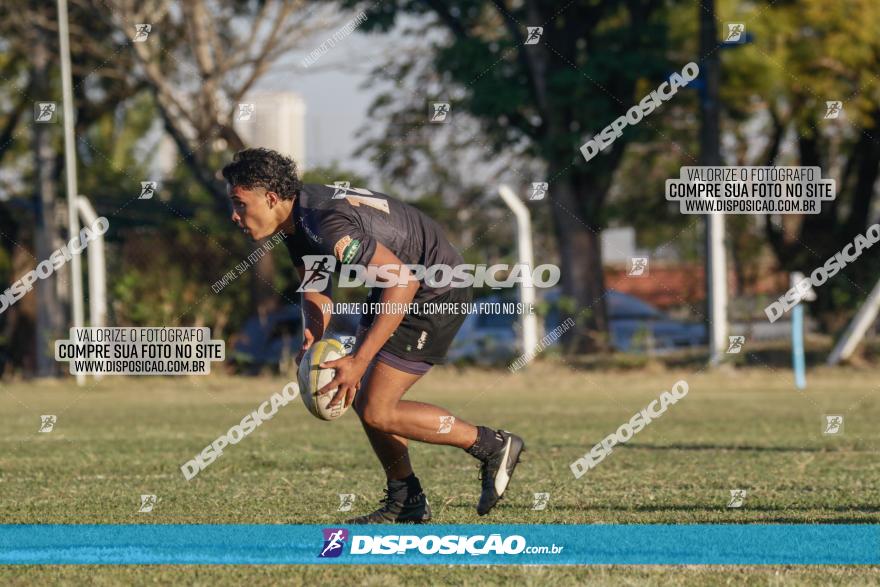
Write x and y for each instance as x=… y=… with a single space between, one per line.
x=347 y=241
x=296 y=247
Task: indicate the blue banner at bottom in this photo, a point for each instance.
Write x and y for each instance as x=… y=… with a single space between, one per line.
x=599 y=544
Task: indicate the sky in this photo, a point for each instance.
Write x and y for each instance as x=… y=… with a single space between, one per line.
x=332 y=87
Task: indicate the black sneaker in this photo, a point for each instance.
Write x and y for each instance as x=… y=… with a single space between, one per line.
x=497 y=470
x=413 y=510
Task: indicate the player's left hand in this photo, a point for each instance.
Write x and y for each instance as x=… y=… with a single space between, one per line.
x=349 y=372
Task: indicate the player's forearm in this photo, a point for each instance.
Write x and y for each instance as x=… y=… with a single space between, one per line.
x=316 y=310
x=386 y=323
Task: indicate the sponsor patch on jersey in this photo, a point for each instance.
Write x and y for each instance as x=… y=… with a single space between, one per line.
x=346 y=248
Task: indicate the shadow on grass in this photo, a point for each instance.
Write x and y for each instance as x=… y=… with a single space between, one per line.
x=736 y=447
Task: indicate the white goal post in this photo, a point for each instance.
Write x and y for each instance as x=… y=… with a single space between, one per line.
x=857 y=328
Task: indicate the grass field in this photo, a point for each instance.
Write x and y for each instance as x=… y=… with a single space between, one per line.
x=746 y=429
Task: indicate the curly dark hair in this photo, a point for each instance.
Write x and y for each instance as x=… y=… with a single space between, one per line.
x=265 y=168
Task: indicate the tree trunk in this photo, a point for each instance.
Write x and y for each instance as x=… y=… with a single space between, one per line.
x=49 y=311
x=581 y=265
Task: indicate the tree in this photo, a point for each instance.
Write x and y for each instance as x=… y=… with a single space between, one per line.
x=200 y=66
x=805 y=54
x=541 y=101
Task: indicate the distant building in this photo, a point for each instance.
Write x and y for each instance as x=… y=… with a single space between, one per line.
x=276 y=121
x=619 y=245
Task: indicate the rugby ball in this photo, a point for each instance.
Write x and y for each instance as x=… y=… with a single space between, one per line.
x=312 y=378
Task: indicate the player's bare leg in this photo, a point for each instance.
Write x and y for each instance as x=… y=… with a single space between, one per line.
x=390 y=421
x=381 y=409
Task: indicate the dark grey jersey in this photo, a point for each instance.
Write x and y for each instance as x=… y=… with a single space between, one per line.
x=348 y=222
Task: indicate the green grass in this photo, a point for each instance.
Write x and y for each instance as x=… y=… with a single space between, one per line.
x=748 y=429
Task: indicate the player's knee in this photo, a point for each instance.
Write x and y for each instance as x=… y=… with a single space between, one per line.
x=378 y=419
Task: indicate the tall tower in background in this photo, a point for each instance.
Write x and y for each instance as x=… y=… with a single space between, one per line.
x=277 y=120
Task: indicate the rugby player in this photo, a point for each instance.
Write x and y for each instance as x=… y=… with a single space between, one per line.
x=394 y=349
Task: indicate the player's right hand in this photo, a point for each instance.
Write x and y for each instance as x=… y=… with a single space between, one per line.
x=308 y=339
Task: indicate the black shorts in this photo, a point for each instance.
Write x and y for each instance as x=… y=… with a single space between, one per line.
x=425 y=335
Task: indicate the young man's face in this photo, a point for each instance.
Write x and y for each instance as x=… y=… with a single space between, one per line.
x=255 y=211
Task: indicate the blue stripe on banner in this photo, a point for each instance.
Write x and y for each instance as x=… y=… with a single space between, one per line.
x=698 y=544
